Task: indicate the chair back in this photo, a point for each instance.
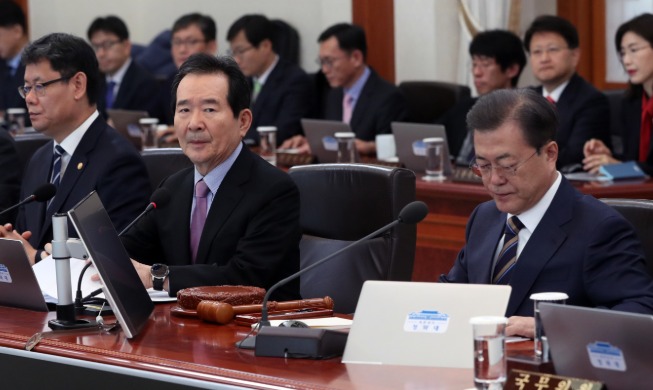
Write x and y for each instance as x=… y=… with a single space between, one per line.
x=341 y=203
x=286 y=41
x=639 y=212
x=27 y=144
x=428 y=100
x=163 y=162
x=615 y=98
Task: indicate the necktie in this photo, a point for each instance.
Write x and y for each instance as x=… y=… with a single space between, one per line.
x=508 y=254
x=199 y=216
x=551 y=100
x=55 y=175
x=256 y=90
x=347 y=106
x=111 y=85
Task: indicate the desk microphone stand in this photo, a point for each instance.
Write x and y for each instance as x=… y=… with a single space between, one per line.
x=61 y=254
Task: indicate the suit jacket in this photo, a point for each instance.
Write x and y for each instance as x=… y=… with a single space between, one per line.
x=583 y=113
x=9 y=97
x=138 y=91
x=378 y=104
x=285 y=98
x=455 y=124
x=631 y=121
x=104 y=161
x=251 y=235
x=581 y=247
x=10 y=174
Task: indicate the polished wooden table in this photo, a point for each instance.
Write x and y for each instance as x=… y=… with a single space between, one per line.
x=190 y=348
x=442 y=234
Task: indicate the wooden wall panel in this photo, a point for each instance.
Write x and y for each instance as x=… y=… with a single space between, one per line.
x=377 y=18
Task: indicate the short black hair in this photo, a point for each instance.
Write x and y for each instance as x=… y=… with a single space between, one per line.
x=67 y=55
x=350 y=37
x=502 y=45
x=534 y=115
x=205 y=23
x=556 y=24
x=12 y=14
x=110 y=24
x=257 y=28
x=238 y=95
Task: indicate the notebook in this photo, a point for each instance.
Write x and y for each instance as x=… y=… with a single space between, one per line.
x=123 y=288
x=420 y=324
x=410 y=149
x=320 y=136
x=613 y=347
x=18 y=284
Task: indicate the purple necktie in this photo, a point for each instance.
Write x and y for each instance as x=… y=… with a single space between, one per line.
x=199 y=216
x=347 y=105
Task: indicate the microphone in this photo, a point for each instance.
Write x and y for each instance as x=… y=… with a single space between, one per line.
x=41 y=194
x=306 y=342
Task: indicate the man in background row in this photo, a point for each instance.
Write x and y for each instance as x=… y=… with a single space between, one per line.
x=359 y=96
x=282 y=93
x=13 y=39
x=125 y=85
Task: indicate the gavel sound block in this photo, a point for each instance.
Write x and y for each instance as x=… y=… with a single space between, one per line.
x=223 y=313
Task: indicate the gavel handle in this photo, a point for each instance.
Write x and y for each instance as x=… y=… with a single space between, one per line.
x=326 y=303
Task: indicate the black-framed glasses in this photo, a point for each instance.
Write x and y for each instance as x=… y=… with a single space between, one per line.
x=327 y=62
x=484 y=170
x=106 y=45
x=39 y=88
x=187 y=42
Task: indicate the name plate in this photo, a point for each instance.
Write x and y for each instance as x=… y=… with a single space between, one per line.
x=527 y=380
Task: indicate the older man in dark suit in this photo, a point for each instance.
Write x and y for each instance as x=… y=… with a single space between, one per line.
x=61 y=87
x=235 y=218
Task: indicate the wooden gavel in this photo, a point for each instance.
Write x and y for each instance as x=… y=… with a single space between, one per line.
x=223 y=313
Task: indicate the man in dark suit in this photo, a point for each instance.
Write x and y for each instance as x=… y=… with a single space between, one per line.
x=13 y=30
x=61 y=89
x=559 y=239
x=282 y=91
x=10 y=174
x=236 y=217
x=553 y=45
x=125 y=85
x=497 y=62
x=359 y=96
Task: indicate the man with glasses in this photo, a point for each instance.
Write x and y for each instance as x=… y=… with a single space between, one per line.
x=539 y=234
x=359 y=96
x=282 y=92
x=61 y=88
x=126 y=85
x=13 y=39
x=553 y=45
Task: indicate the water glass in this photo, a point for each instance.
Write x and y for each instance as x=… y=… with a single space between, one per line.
x=489 y=351
x=541 y=344
x=268 y=143
x=149 y=127
x=346 y=147
x=16 y=120
x=434 y=148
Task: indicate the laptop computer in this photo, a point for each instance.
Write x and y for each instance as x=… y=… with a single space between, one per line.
x=18 y=284
x=320 y=136
x=126 y=123
x=123 y=288
x=610 y=346
x=420 y=324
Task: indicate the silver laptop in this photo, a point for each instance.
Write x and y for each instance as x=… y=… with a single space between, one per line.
x=320 y=136
x=123 y=288
x=410 y=149
x=18 y=284
x=126 y=123
x=613 y=347
x=420 y=324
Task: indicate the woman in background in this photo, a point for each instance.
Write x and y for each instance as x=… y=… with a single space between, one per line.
x=634 y=43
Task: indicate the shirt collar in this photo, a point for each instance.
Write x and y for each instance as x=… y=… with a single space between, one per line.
x=120 y=73
x=555 y=94
x=355 y=90
x=267 y=72
x=70 y=143
x=214 y=178
x=532 y=217
x=14 y=62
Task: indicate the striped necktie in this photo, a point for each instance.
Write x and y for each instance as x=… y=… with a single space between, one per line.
x=508 y=255
x=55 y=175
x=199 y=217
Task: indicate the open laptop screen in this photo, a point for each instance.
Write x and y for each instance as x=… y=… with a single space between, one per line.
x=122 y=286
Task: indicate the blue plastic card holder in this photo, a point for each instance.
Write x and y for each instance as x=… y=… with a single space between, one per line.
x=626 y=170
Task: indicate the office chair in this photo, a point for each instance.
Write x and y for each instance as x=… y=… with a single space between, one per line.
x=27 y=144
x=428 y=100
x=286 y=41
x=639 y=212
x=163 y=162
x=341 y=203
x=615 y=98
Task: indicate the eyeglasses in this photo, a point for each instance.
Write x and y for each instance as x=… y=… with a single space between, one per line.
x=239 y=52
x=327 y=61
x=483 y=63
x=485 y=170
x=39 y=88
x=631 y=50
x=551 y=51
x=106 y=45
x=187 y=42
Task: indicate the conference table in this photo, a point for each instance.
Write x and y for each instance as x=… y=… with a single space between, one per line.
x=441 y=235
x=181 y=352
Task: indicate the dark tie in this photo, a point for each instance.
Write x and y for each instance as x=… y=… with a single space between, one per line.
x=55 y=175
x=508 y=255
x=111 y=85
x=551 y=100
x=199 y=216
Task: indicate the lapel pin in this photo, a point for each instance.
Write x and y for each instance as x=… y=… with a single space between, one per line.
x=80 y=166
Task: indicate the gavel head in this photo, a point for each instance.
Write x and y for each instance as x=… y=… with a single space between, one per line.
x=212 y=311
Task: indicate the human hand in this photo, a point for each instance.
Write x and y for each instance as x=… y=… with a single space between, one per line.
x=365 y=147
x=521 y=326
x=593 y=162
x=7 y=231
x=595 y=146
x=144 y=273
x=297 y=142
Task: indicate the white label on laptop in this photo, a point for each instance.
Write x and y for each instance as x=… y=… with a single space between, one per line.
x=418 y=148
x=330 y=144
x=5 y=276
x=426 y=321
x=605 y=356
